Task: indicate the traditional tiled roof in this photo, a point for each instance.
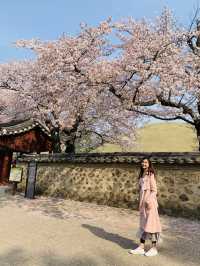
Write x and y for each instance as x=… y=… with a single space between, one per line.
x=117 y=157
x=17 y=127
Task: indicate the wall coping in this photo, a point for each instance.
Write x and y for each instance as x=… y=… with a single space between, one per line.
x=116 y=157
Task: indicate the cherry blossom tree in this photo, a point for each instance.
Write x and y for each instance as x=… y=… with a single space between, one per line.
x=107 y=122
x=159 y=74
x=59 y=86
x=14 y=80
x=87 y=83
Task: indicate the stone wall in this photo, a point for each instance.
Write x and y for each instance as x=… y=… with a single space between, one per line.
x=113 y=179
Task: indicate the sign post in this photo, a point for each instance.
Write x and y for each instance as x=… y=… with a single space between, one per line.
x=31 y=179
x=16 y=174
x=15 y=177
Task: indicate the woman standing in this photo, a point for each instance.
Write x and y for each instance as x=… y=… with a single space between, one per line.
x=150 y=227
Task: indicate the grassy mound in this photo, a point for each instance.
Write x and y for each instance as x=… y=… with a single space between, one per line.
x=163 y=137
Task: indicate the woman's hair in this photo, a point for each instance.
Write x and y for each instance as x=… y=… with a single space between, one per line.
x=150 y=168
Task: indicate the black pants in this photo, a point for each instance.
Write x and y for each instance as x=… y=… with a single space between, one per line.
x=143 y=241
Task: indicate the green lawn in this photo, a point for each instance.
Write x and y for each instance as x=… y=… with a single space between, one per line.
x=163 y=137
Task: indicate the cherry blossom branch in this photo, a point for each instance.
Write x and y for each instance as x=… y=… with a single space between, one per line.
x=194 y=18
x=5 y=85
x=85 y=132
x=178 y=117
x=186 y=109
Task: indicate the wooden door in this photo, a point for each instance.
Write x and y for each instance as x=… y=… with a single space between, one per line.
x=1 y=162
x=5 y=166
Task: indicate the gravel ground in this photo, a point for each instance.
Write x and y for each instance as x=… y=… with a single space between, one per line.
x=48 y=231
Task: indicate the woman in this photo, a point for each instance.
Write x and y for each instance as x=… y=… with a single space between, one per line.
x=150 y=227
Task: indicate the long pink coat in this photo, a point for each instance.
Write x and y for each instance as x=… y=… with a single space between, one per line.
x=149 y=217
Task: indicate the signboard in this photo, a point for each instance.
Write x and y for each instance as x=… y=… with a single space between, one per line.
x=30 y=181
x=16 y=174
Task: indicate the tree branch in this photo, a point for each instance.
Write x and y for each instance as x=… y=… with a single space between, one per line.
x=186 y=109
x=5 y=85
x=178 y=117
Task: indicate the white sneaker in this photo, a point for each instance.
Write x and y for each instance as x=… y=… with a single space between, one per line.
x=138 y=251
x=151 y=252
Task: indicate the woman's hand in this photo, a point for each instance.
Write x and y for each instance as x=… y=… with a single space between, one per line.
x=141 y=205
x=146 y=205
x=150 y=201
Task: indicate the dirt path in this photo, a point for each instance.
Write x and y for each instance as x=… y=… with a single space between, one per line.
x=56 y=232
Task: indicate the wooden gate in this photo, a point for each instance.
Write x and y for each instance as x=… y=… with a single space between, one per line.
x=5 y=166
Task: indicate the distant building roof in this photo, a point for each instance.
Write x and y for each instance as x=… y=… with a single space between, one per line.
x=25 y=136
x=21 y=126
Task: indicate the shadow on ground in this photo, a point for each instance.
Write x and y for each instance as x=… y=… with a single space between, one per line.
x=17 y=257
x=180 y=246
x=115 y=238
x=178 y=252
x=47 y=207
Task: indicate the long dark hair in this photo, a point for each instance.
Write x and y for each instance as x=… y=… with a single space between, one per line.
x=150 y=168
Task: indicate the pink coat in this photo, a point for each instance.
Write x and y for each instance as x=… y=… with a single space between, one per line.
x=149 y=217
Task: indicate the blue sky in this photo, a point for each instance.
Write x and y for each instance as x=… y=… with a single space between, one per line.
x=48 y=19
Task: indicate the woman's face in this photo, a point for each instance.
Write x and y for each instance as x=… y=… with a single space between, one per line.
x=145 y=164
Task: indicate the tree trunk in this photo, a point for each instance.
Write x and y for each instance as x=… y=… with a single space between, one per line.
x=71 y=136
x=70 y=146
x=56 y=140
x=197 y=126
